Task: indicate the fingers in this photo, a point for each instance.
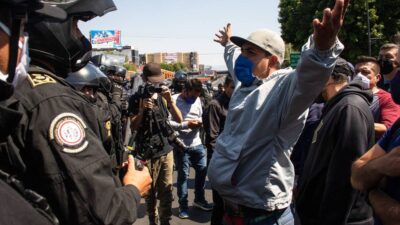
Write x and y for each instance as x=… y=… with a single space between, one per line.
x=327 y=17
x=218 y=36
x=316 y=24
x=131 y=163
x=228 y=27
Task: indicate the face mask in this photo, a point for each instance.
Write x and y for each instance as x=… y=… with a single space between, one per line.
x=244 y=70
x=190 y=100
x=361 y=79
x=386 y=66
x=21 y=71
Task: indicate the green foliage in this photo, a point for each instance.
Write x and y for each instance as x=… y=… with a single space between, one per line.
x=130 y=67
x=173 y=66
x=296 y=18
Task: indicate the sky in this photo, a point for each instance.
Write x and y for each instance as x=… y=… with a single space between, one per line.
x=184 y=26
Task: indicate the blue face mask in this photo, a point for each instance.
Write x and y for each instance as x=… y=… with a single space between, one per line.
x=190 y=100
x=244 y=70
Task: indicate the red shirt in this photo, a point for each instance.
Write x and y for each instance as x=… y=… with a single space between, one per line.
x=389 y=110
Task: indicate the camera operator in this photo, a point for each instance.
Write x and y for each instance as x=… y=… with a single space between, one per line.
x=149 y=109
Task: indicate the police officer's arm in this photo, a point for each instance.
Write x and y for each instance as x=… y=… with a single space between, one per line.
x=385 y=207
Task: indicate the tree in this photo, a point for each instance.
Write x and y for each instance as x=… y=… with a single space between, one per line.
x=173 y=66
x=296 y=18
x=130 y=66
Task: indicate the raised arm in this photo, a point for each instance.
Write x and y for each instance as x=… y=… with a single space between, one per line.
x=223 y=37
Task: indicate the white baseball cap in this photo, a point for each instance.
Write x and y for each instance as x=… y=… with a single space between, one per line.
x=267 y=40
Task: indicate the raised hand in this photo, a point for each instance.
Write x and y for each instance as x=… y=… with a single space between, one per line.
x=224 y=35
x=325 y=32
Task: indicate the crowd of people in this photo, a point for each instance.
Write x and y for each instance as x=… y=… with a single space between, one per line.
x=318 y=144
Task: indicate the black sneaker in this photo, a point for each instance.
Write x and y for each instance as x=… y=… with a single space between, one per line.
x=183 y=214
x=203 y=205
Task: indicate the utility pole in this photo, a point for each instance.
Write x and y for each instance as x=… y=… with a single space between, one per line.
x=369 y=28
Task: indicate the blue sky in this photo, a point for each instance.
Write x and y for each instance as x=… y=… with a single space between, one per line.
x=178 y=25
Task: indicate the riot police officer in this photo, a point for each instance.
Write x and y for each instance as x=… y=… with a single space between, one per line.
x=179 y=81
x=96 y=86
x=18 y=205
x=112 y=99
x=59 y=134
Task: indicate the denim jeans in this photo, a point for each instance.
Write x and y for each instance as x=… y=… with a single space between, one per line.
x=284 y=217
x=197 y=157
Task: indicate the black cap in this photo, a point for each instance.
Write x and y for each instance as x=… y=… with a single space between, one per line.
x=152 y=72
x=343 y=68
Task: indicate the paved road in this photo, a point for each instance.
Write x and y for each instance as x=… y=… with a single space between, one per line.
x=196 y=216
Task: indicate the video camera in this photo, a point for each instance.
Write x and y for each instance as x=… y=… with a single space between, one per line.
x=148 y=144
x=148 y=90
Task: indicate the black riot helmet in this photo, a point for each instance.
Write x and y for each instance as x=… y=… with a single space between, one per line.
x=89 y=76
x=13 y=16
x=179 y=81
x=61 y=47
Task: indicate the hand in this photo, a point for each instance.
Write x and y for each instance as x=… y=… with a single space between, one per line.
x=139 y=178
x=146 y=103
x=166 y=93
x=325 y=32
x=192 y=124
x=224 y=35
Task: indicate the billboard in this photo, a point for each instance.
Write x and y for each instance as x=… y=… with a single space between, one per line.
x=170 y=57
x=105 y=39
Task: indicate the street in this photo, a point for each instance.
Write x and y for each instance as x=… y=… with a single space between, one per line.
x=196 y=216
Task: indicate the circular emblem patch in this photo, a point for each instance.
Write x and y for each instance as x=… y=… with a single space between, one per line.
x=68 y=130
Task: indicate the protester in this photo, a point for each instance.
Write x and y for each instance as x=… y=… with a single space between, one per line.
x=346 y=130
x=384 y=109
x=149 y=111
x=58 y=136
x=190 y=105
x=389 y=62
x=251 y=167
x=214 y=122
x=377 y=173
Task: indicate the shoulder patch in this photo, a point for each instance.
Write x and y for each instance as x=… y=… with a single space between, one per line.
x=36 y=79
x=108 y=128
x=68 y=130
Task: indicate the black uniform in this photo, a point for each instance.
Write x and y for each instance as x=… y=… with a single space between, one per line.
x=14 y=208
x=111 y=122
x=58 y=140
